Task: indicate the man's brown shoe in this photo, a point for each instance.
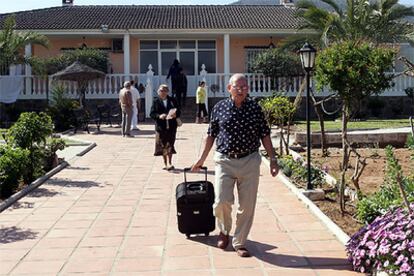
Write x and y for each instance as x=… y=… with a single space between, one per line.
x=223 y=241
x=243 y=252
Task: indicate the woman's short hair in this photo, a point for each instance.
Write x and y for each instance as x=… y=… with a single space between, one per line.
x=162 y=86
x=201 y=83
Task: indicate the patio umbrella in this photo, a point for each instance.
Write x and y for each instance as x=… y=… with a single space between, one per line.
x=80 y=73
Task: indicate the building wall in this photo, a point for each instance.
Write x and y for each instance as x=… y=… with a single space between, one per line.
x=237 y=51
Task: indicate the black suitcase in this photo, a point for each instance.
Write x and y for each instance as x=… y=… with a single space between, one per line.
x=195 y=206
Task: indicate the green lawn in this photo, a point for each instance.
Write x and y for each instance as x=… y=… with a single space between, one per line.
x=68 y=141
x=368 y=124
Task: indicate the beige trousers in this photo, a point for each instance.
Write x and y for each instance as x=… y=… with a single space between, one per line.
x=243 y=172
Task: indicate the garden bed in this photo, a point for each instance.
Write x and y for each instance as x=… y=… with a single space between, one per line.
x=370 y=181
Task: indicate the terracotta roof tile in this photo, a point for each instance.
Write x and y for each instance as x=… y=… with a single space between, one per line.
x=157 y=17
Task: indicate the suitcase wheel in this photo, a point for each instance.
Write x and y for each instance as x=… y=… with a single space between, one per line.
x=187 y=235
x=206 y=234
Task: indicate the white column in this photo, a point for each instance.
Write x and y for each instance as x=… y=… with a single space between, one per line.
x=226 y=58
x=28 y=70
x=127 y=55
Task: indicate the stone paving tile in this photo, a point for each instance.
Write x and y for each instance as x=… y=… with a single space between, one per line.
x=187 y=262
x=137 y=265
x=39 y=267
x=293 y=272
x=39 y=254
x=112 y=212
x=189 y=273
x=7 y=266
x=88 y=265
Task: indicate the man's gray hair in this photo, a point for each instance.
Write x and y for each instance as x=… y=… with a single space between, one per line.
x=162 y=86
x=236 y=77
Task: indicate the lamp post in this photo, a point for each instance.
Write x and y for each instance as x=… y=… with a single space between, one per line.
x=307 y=57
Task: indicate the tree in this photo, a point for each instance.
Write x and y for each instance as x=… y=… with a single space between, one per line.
x=354 y=71
x=91 y=57
x=277 y=63
x=279 y=111
x=12 y=44
x=377 y=21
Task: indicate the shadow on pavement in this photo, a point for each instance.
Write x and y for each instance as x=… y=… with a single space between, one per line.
x=261 y=251
x=22 y=205
x=69 y=183
x=14 y=234
x=42 y=192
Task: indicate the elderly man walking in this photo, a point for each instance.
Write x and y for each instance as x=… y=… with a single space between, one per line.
x=238 y=125
x=125 y=101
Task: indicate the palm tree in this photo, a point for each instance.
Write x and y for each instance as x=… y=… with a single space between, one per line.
x=12 y=44
x=378 y=21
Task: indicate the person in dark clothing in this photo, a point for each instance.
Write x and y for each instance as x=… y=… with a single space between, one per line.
x=181 y=86
x=165 y=112
x=173 y=73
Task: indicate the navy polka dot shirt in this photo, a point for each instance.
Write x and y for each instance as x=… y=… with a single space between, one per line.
x=237 y=130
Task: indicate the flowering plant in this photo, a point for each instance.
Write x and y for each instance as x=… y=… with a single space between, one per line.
x=387 y=244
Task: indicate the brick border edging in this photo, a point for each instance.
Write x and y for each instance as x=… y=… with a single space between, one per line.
x=88 y=148
x=333 y=227
x=15 y=197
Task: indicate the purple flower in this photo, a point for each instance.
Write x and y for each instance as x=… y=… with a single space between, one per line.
x=405 y=267
x=387 y=244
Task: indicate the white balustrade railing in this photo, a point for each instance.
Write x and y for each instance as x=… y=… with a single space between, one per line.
x=38 y=87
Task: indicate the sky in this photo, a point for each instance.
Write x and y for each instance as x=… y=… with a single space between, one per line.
x=20 y=5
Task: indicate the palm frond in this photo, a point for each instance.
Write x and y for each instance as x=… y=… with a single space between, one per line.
x=334 y=6
x=304 y=4
x=295 y=42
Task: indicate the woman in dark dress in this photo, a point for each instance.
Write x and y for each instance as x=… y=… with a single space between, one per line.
x=162 y=111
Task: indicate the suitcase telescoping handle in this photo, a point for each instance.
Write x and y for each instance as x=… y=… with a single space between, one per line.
x=189 y=169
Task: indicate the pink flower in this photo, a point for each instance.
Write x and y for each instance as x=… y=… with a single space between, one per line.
x=405 y=267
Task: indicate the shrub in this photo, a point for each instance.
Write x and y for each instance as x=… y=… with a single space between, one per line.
x=410 y=145
x=30 y=132
x=297 y=171
x=278 y=110
x=387 y=244
x=61 y=108
x=13 y=165
x=388 y=196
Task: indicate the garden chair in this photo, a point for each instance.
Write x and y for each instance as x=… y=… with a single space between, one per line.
x=82 y=119
x=108 y=115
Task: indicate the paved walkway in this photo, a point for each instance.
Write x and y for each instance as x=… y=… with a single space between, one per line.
x=112 y=212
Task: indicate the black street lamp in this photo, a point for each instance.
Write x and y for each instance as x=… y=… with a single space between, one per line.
x=307 y=57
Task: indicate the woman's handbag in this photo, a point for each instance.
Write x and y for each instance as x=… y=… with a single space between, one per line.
x=179 y=122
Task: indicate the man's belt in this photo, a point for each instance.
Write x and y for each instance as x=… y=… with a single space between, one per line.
x=238 y=155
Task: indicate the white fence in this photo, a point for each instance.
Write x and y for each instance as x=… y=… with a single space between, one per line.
x=37 y=87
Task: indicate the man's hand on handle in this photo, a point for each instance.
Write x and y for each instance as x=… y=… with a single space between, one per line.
x=197 y=166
